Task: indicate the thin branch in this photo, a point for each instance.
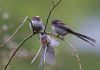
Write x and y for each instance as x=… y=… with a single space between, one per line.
x=25 y=39
x=77 y=57
x=36 y=55
x=50 y=14
x=14 y=32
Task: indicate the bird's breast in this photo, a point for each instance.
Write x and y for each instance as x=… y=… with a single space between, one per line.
x=37 y=26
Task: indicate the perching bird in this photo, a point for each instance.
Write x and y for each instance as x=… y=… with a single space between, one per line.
x=62 y=30
x=36 y=24
x=48 y=53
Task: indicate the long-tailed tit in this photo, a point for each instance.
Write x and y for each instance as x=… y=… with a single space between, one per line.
x=36 y=24
x=48 y=52
x=61 y=29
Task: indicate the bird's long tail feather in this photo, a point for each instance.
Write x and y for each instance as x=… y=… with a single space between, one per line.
x=85 y=38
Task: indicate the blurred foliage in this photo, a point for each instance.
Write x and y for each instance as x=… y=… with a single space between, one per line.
x=12 y=13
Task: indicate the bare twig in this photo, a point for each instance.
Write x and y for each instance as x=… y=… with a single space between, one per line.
x=77 y=57
x=14 y=32
x=36 y=55
x=25 y=39
x=50 y=14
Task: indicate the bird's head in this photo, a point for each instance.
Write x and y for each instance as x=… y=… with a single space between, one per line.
x=57 y=22
x=36 y=18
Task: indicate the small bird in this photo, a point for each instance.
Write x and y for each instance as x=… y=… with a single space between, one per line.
x=36 y=24
x=48 y=53
x=62 y=30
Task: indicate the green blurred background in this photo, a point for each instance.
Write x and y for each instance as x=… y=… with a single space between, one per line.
x=78 y=14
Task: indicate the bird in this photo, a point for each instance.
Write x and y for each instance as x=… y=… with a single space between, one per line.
x=48 y=52
x=61 y=29
x=36 y=24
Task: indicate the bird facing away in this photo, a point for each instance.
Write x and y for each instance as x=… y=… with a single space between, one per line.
x=48 y=53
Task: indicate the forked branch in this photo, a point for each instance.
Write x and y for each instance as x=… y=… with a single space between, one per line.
x=54 y=6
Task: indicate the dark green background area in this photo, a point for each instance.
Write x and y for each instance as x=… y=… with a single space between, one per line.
x=70 y=11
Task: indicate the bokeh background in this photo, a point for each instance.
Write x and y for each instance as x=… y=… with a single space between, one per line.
x=81 y=15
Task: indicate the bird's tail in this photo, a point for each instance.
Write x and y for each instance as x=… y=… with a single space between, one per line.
x=85 y=38
x=47 y=55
